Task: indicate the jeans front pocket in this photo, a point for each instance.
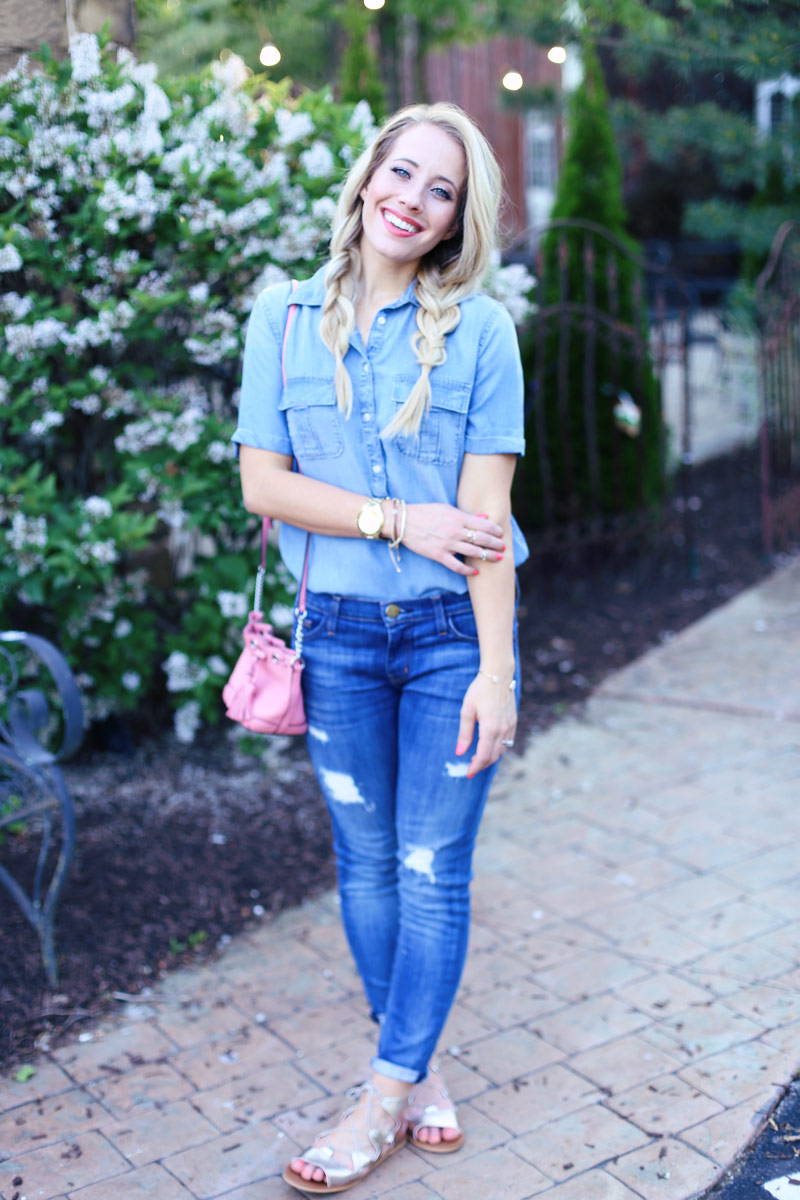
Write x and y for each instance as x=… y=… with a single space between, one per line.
x=441 y=436
x=313 y=417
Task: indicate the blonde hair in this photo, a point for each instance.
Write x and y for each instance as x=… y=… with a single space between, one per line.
x=451 y=271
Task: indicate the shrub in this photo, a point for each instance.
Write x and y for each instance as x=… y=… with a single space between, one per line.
x=590 y=371
x=137 y=225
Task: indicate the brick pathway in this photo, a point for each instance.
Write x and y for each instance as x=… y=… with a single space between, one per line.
x=629 y=1013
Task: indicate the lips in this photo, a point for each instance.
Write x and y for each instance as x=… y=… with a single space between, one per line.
x=414 y=226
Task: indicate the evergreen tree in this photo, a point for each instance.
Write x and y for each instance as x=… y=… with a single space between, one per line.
x=359 y=78
x=588 y=346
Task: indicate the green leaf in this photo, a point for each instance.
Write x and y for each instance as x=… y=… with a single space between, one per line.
x=25 y=1073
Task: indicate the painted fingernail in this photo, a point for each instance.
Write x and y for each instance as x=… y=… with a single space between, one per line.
x=502 y=547
x=476 y=571
x=484 y=515
x=460 y=748
x=499 y=558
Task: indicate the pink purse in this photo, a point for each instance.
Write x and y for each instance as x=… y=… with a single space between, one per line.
x=264 y=690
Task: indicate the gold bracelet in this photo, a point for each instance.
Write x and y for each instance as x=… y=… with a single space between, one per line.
x=397 y=536
x=496 y=679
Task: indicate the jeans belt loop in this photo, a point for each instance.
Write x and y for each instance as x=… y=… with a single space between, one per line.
x=333 y=615
x=438 y=612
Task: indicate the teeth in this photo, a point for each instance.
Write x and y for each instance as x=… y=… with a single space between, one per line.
x=399 y=224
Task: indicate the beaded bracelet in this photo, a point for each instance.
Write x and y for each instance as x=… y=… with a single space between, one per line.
x=397 y=535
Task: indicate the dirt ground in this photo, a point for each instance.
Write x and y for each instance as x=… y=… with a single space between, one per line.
x=179 y=847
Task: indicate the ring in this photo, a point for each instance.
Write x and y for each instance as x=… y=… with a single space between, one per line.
x=484 y=554
x=470 y=535
x=507 y=743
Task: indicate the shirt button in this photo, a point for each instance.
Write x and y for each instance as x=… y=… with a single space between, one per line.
x=367 y=417
x=392 y=610
x=376 y=470
x=381 y=319
x=366 y=367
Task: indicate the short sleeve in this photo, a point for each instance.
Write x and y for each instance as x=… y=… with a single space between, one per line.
x=496 y=418
x=261 y=423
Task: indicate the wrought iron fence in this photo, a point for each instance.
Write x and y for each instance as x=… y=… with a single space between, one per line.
x=778 y=307
x=598 y=467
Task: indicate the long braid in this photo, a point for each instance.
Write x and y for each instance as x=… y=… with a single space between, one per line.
x=339 y=317
x=438 y=315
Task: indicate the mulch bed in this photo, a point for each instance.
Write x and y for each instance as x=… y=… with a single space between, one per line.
x=182 y=846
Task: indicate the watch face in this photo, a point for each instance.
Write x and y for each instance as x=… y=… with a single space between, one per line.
x=370 y=519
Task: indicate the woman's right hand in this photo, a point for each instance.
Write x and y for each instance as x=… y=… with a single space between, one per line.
x=439 y=532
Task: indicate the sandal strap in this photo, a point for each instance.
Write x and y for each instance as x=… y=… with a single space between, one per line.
x=361 y=1161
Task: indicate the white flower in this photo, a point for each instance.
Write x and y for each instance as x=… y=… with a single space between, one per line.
x=317 y=161
x=182 y=673
x=6 y=114
x=281 y=615
x=232 y=73
x=187 y=721
x=172 y=513
x=362 y=120
x=104 y=552
x=46 y=422
x=217 y=665
x=131 y=680
x=14 y=306
x=123 y=627
x=97 y=507
x=4 y=390
x=88 y=404
x=198 y=293
x=10 y=258
x=292 y=127
x=85 y=54
x=511 y=285
x=219 y=451
x=232 y=604
x=27 y=531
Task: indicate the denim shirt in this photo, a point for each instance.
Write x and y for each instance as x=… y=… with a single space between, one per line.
x=476 y=406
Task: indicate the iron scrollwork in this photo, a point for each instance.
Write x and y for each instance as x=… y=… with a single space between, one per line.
x=31 y=784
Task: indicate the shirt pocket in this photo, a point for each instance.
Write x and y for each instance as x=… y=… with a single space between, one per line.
x=441 y=436
x=313 y=417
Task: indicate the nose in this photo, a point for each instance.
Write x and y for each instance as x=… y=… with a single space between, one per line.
x=413 y=195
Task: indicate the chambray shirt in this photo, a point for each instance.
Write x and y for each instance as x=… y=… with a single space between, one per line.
x=476 y=406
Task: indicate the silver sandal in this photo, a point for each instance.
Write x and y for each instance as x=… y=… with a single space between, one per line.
x=429 y=1106
x=381 y=1142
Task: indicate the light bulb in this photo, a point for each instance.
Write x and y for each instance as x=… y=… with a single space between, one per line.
x=557 y=54
x=374 y=4
x=270 y=55
x=512 y=81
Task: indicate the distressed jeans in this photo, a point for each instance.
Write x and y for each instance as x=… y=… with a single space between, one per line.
x=383 y=686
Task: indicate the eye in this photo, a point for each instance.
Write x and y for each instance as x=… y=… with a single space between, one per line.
x=443 y=192
x=402 y=172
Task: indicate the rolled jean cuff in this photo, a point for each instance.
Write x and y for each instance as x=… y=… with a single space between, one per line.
x=392 y=1071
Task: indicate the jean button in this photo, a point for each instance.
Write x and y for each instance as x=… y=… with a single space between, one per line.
x=392 y=610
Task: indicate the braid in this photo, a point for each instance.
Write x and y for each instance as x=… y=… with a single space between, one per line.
x=438 y=314
x=339 y=317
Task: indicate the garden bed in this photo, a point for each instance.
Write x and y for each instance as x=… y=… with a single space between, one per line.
x=182 y=846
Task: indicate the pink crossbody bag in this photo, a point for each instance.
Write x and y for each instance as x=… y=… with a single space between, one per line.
x=264 y=690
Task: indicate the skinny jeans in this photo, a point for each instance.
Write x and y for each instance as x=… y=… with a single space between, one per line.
x=383 y=686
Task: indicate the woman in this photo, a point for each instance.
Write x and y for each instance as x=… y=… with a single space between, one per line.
x=403 y=410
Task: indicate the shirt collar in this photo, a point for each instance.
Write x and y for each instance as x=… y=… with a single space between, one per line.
x=312 y=291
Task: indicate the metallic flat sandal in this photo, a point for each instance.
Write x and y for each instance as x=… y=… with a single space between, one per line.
x=371 y=1146
x=430 y=1106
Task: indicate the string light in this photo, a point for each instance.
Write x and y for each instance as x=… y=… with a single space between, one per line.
x=374 y=4
x=512 y=81
x=270 y=55
x=557 y=54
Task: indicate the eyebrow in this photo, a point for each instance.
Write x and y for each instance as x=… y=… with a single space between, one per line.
x=416 y=164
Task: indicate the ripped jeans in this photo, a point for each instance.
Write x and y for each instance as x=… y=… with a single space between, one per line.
x=383 y=686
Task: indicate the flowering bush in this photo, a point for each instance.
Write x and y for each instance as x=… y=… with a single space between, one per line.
x=137 y=225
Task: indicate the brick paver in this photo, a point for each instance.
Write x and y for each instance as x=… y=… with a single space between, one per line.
x=628 y=1016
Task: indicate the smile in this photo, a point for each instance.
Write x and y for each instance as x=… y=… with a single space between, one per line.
x=399 y=223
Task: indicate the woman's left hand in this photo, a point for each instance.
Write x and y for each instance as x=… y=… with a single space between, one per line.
x=493 y=706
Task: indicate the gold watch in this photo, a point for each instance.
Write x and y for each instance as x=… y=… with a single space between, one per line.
x=370 y=519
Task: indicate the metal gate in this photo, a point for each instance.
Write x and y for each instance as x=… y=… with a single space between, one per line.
x=607 y=325
x=778 y=306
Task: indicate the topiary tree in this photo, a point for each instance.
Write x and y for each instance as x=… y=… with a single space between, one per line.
x=587 y=347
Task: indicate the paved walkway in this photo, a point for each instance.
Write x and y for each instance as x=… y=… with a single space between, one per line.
x=630 y=1010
